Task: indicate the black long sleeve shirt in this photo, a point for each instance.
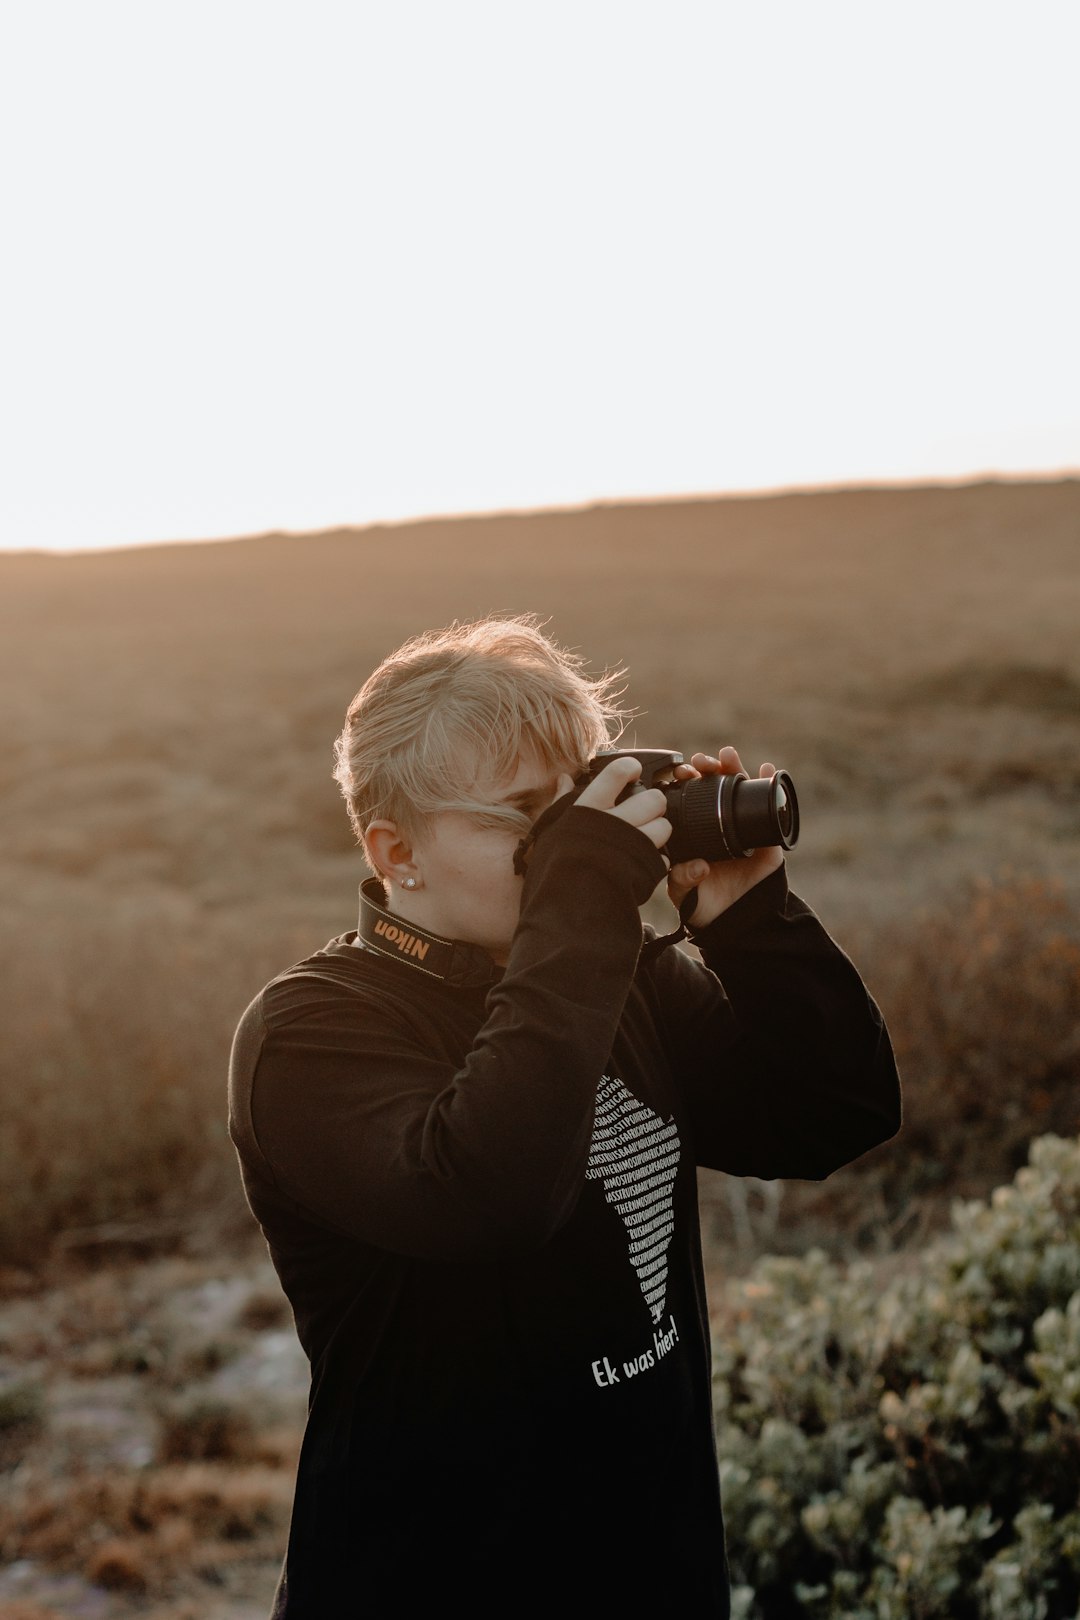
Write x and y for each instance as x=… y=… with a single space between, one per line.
x=482 y=1207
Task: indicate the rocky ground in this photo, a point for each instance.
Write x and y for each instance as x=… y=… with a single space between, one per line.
x=150 y=1417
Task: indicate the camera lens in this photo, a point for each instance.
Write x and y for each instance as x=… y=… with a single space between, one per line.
x=719 y=818
x=764 y=811
x=784 y=818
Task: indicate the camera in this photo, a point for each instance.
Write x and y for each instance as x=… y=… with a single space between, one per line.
x=713 y=818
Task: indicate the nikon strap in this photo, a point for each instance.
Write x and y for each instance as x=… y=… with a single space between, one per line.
x=653 y=947
x=464 y=966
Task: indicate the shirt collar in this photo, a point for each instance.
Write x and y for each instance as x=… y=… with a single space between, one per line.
x=452 y=960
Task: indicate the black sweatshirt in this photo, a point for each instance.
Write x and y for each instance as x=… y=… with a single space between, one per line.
x=481 y=1203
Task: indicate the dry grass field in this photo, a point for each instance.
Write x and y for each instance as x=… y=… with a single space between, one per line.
x=171 y=836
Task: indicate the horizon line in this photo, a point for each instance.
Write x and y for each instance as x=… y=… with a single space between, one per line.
x=472 y=514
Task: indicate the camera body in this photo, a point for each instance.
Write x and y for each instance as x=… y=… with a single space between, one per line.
x=713 y=818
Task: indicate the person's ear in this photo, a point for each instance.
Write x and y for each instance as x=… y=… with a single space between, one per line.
x=392 y=855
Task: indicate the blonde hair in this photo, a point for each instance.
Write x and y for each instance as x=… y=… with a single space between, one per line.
x=455 y=708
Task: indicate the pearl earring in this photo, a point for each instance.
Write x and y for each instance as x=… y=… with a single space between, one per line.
x=408 y=883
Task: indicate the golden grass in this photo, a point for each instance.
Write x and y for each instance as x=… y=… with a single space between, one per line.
x=172 y=836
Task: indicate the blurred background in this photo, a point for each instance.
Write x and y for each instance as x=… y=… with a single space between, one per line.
x=737 y=344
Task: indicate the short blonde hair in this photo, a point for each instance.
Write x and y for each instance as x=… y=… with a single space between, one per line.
x=455 y=708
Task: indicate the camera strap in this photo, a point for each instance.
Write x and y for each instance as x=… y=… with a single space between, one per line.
x=551 y=814
x=452 y=960
x=653 y=947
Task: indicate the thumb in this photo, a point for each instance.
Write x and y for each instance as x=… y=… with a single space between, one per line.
x=683 y=878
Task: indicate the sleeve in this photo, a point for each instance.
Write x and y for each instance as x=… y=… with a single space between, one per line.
x=781 y=1054
x=365 y=1125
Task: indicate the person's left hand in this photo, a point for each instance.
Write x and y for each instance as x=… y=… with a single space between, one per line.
x=719 y=883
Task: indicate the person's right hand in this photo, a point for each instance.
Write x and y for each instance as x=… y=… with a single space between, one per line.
x=646 y=811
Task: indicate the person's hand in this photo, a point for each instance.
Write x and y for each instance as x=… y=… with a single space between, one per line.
x=719 y=883
x=646 y=811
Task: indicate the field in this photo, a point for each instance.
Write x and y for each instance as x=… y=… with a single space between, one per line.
x=171 y=836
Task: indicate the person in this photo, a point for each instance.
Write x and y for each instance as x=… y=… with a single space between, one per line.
x=469 y=1131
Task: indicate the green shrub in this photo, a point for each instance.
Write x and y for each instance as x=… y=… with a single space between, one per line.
x=912 y=1448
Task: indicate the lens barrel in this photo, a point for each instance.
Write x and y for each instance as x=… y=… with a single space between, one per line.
x=713 y=818
x=723 y=818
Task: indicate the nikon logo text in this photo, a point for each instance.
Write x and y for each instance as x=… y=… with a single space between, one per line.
x=408 y=944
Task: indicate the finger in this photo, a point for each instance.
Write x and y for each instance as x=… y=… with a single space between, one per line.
x=686 y=773
x=658 y=831
x=605 y=788
x=726 y=763
x=641 y=808
x=684 y=877
x=767 y=770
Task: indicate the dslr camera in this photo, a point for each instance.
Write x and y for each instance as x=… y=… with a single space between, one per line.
x=713 y=818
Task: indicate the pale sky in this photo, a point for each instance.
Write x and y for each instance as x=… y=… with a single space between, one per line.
x=283 y=266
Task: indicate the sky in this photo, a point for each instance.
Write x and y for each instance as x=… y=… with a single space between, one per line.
x=289 y=266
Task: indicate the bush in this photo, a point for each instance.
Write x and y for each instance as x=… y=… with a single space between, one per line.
x=117 y=1034
x=982 y=999
x=912 y=1449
